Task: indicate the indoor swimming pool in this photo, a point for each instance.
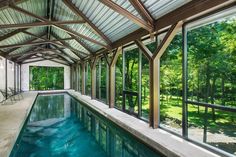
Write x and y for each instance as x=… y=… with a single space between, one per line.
x=61 y=126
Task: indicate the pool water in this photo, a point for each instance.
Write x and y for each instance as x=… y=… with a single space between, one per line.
x=60 y=126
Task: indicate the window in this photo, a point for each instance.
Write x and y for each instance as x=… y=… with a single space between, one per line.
x=119 y=83
x=171 y=85
x=101 y=79
x=46 y=78
x=212 y=80
x=87 y=79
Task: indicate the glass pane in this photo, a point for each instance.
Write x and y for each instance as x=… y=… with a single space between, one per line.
x=131 y=104
x=219 y=132
x=119 y=83
x=145 y=87
x=88 y=79
x=103 y=86
x=212 y=79
x=213 y=45
x=46 y=78
x=131 y=69
x=171 y=86
x=98 y=79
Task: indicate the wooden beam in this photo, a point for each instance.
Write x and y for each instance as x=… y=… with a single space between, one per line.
x=37 y=24
x=72 y=32
x=5 y=3
x=180 y=14
x=188 y=10
x=93 y=78
x=112 y=77
x=83 y=78
x=143 y=12
x=76 y=52
x=82 y=44
x=54 y=42
x=24 y=44
x=11 y=34
x=45 y=39
x=127 y=14
x=144 y=49
x=154 y=117
x=55 y=46
x=167 y=39
x=14 y=49
x=66 y=29
x=79 y=13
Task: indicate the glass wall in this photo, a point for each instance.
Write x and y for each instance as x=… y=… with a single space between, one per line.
x=46 y=78
x=119 y=83
x=131 y=80
x=80 y=78
x=171 y=85
x=207 y=114
x=145 y=88
x=101 y=79
x=212 y=80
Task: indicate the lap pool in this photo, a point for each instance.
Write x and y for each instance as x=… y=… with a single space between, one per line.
x=61 y=126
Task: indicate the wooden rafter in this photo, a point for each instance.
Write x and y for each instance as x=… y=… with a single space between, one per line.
x=66 y=29
x=144 y=49
x=14 y=49
x=38 y=24
x=167 y=39
x=79 y=13
x=11 y=34
x=76 y=52
x=55 y=42
x=57 y=56
x=128 y=15
x=61 y=50
x=59 y=53
x=186 y=11
x=143 y=12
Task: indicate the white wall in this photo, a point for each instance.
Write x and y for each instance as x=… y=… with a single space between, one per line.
x=10 y=75
x=25 y=73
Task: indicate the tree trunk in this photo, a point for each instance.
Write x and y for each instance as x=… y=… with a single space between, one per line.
x=213 y=97
x=223 y=90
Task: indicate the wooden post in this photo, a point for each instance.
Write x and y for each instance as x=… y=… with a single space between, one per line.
x=112 y=77
x=83 y=78
x=154 y=62
x=93 y=78
x=154 y=92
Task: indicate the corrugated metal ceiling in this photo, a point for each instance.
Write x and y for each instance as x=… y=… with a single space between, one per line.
x=109 y=22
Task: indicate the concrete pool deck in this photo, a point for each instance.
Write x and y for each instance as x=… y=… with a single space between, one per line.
x=13 y=116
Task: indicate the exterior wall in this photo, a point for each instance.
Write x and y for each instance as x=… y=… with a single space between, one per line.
x=25 y=73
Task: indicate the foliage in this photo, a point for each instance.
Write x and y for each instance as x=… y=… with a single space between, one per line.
x=46 y=78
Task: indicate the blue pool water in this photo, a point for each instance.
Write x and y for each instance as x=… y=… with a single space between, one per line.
x=60 y=126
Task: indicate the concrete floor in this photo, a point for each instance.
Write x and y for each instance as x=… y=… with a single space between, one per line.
x=13 y=116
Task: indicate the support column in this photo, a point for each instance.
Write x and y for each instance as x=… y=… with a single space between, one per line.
x=83 y=78
x=93 y=78
x=15 y=76
x=20 y=78
x=112 y=71
x=6 y=77
x=185 y=83
x=154 y=92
